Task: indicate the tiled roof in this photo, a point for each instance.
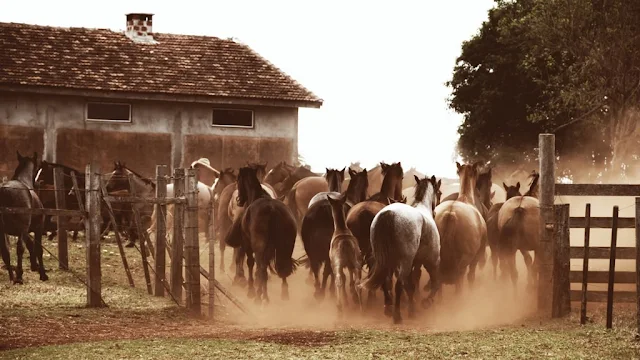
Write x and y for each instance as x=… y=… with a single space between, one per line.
x=100 y=59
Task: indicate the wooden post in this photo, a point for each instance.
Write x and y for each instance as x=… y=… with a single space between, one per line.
x=141 y=237
x=212 y=263
x=177 y=242
x=638 y=265
x=585 y=264
x=561 y=263
x=60 y=193
x=192 y=245
x=547 y=192
x=161 y=229
x=92 y=233
x=612 y=267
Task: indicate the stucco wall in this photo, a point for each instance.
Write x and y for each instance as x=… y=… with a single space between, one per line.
x=24 y=139
x=160 y=133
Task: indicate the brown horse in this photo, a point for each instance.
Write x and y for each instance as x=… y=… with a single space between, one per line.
x=317 y=228
x=518 y=225
x=223 y=220
x=19 y=193
x=278 y=174
x=267 y=229
x=344 y=252
x=493 y=233
x=482 y=194
x=375 y=178
x=361 y=215
x=227 y=176
x=463 y=231
x=334 y=179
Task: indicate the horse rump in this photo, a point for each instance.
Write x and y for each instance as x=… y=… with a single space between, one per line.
x=282 y=234
x=449 y=262
x=233 y=237
x=381 y=251
x=512 y=231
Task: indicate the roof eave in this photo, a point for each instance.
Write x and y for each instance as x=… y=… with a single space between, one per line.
x=165 y=97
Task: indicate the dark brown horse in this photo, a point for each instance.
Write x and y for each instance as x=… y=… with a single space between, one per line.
x=334 y=180
x=278 y=174
x=361 y=215
x=19 y=193
x=266 y=229
x=317 y=228
x=223 y=220
x=300 y=187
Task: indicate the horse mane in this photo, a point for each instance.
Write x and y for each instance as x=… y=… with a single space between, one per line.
x=420 y=191
x=145 y=180
x=249 y=174
x=533 y=185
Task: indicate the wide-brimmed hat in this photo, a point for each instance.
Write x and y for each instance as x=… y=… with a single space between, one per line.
x=204 y=162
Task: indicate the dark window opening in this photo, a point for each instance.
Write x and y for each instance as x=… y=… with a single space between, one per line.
x=108 y=112
x=232 y=118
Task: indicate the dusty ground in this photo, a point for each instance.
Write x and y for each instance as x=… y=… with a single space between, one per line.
x=49 y=320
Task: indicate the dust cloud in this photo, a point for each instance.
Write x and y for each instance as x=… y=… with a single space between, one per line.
x=489 y=303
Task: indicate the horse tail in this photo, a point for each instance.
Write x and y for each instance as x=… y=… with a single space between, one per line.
x=233 y=237
x=381 y=251
x=291 y=203
x=448 y=262
x=512 y=230
x=283 y=263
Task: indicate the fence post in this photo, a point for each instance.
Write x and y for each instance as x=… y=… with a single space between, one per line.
x=585 y=264
x=63 y=247
x=547 y=192
x=638 y=265
x=92 y=233
x=177 y=241
x=212 y=262
x=561 y=263
x=161 y=229
x=192 y=245
x=612 y=267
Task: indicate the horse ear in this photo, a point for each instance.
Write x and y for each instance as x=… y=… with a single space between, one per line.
x=19 y=156
x=326 y=170
x=458 y=165
x=342 y=171
x=439 y=183
x=416 y=178
x=433 y=179
x=383 y=165
x=505 y=186
x=518 y=185
x=493 y=194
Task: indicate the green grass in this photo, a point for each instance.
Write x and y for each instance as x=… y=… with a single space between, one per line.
x=50 y=320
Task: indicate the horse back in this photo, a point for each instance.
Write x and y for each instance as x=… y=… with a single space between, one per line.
x=14 y=194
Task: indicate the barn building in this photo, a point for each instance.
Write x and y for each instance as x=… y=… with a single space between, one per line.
x=78 y=94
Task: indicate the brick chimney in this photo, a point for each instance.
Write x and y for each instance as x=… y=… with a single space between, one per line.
x=139 y=28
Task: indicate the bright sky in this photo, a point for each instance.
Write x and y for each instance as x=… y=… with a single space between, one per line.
x=379 y=66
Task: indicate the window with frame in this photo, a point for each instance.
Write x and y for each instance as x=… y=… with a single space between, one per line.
x=240 y=118
x=108 y=112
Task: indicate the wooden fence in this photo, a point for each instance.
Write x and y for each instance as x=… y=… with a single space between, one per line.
x=556 y=251
x=183 y=252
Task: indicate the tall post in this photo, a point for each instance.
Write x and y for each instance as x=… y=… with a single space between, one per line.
x=612 y=267
x=585 y=264
x=92 y=233
x=192 y=245
x=177 y=249
x=638 y=264
x=161 y=229
x=547 y=193
x=561 y=263
x=212 y=263
x=60 y=193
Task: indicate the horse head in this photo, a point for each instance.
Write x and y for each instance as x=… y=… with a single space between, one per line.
x=335 y=178
x=248 y=185
x=512 y=190
x=25 y=171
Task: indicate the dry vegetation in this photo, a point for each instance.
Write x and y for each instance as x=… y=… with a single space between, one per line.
x=49 y=320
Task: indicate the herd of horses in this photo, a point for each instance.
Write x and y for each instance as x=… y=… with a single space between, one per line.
x=385 y=220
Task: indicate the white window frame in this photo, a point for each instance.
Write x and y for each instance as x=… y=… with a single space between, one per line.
x=253 y=119
x=86 y=112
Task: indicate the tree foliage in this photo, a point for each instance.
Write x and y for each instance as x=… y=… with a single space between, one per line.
x=570 y=67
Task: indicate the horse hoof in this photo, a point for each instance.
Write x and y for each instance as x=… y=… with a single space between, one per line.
x=426 y=303
x=130 y=244
x=387 y=310
x=44 y=277
x=319 y=295
x=397 y=319
x=240 y=281
x=257 y=300
x=252 y=293
x=310 y=281
x=18 y=281
x=285 y=295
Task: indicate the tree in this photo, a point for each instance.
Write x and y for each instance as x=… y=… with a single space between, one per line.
x=568 y=67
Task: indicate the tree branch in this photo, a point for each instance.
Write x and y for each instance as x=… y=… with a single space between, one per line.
x=580 y=118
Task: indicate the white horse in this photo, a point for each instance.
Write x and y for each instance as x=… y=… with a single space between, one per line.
x=403 y=239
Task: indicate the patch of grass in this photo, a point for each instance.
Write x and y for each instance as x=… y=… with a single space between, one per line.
x=506 y=343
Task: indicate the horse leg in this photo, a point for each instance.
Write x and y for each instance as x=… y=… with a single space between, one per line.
x=285 y=289
x=339 y=288
x=528 y=261
x=397 y=317
x=250 y=263
x=386 y=289
x=435 y=285
x=33 y=258
x=325 y=275
x=240 y=279
x=357 y=272
x=222 y=246
x=6 y=257
x=74 y=237
x=20 y=252
x=38 y=252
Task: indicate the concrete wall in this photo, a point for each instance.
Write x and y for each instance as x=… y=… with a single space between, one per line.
x=160 y=133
